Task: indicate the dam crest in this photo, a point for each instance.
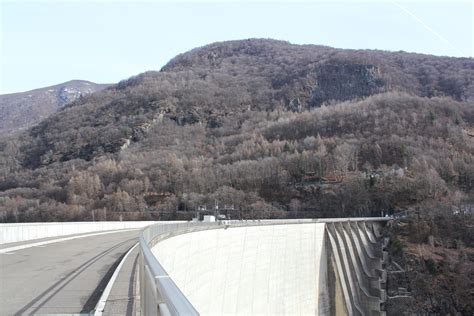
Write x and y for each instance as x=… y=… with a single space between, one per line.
x=297 y=267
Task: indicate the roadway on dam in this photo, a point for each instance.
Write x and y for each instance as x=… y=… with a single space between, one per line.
x=65 y=277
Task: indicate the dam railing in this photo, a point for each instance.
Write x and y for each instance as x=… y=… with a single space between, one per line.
x=159 y=295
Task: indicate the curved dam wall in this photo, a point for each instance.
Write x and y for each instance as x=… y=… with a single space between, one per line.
x=320 y=268
x=268 y=270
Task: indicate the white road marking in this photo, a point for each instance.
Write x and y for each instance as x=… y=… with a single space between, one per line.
x=99 y=308
x=41 y=243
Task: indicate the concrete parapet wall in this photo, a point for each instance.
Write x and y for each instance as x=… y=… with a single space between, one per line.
x=27 y=231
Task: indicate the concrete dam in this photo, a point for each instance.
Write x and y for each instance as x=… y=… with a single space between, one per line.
x=301 y=267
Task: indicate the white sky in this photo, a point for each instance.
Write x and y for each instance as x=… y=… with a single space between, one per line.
x=49 y=42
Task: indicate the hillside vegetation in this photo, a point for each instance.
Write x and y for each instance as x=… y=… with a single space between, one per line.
x=222 y=80
x=270 y=130
x=323 y=131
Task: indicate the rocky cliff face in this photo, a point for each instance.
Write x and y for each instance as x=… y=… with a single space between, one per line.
x=346 y=81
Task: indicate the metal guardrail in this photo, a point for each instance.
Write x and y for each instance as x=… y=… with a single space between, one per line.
x=159 y=295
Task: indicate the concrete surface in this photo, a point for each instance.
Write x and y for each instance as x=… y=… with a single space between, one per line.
x=124 y=299
x=25 y=243
x=60 y=278
x=333 y=267
x=267 y=270
x=16 y=232
x=360 y=276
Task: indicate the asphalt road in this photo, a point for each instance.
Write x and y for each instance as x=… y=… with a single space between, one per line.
x=60 y=278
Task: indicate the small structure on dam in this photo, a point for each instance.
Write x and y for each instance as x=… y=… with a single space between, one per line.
x=320 y=267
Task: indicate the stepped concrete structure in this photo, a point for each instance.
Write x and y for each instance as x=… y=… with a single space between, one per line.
x=301 y=267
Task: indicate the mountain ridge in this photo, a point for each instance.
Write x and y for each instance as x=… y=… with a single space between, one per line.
x=21 y=110
x=221 y=80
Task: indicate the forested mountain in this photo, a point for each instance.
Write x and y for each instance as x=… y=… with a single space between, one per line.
x=271 y=130
x=218 y=82
x=314 y=112
x=24 y=109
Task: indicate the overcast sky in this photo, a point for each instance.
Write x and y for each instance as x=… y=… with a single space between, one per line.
x=49 y=42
